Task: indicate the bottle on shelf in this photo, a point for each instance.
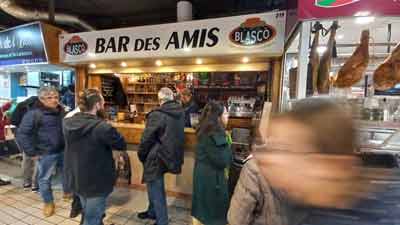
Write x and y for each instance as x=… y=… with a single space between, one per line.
x=396 y=115
x=386 y=110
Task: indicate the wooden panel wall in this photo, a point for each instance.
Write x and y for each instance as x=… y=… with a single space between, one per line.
x=50 y=35
x=276 y=85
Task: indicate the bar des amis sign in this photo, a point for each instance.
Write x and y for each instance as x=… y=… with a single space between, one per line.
x=256 y=33
x=22 y=45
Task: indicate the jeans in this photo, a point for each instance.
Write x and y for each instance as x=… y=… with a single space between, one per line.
x=47 y=167
x=93 y=209
x=158 y=201
x=29 y=167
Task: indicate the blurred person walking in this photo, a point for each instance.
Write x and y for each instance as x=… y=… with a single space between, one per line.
x=308 y=159
x=3 y=143
x=40 y=136
x=210 y=200
x=161 y=151
x=89 y=164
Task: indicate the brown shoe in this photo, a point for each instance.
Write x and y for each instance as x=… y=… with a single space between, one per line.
x=67 y=197
x=48 y=209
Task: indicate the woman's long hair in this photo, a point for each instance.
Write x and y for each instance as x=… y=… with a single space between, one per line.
x=210 y=119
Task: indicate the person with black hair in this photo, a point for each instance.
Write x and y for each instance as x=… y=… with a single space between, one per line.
x=89 y=164
x=210 y=200
x=189 y=105
x=68 y=98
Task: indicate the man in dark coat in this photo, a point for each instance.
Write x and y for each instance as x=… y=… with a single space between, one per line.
x=161 y=151
x=190 y=106
x=89 y=164
x=40 y=136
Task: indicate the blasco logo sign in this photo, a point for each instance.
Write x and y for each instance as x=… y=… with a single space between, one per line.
x=333 y=3
x=253 y=32
x=75 y=46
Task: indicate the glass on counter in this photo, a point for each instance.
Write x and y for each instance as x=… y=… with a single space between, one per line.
x=194 y=119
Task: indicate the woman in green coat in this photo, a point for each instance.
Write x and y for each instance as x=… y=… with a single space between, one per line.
x=210 y=200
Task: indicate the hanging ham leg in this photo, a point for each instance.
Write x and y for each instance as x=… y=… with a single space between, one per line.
x=387 y=75
x=353 y=70
x=326 y=62
x=314 y=57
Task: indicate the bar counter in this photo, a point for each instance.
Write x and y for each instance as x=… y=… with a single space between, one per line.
x=176 y=185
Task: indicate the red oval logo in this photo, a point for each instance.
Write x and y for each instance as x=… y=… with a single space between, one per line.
x=253 y=32
x=333 y=3
x=75 y=46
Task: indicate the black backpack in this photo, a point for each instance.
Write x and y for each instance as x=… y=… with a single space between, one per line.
x=20 y=111
x=22 y=108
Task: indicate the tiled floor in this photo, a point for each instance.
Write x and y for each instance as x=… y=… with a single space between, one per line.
x=19 y=207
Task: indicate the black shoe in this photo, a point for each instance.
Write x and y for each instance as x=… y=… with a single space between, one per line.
x=145 y=216
x=3 y=182
x=35 y=189
x=27 y=187
x=74 y=212
x=76 y=207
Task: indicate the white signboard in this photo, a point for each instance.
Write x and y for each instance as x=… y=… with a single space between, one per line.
x=262 y=34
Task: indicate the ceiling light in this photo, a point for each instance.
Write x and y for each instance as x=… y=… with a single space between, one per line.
x=92 y=66
x=364 y=20
x=187 y=49
x=340 y=36
x=199 y=61
x=363 y=17
x=245 y=59
x=363 y=13
x=321 y=49
x=159 y=63
x=123 y=64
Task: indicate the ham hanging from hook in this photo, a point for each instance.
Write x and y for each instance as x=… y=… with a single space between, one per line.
x=326 y=62
x=354 y=68
x=387 y=75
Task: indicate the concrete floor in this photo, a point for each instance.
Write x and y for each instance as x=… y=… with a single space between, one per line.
x=19 y=207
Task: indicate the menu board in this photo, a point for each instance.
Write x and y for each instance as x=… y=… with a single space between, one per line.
x=22 y=45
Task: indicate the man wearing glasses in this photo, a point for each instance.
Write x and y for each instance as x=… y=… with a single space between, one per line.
x=40 y=136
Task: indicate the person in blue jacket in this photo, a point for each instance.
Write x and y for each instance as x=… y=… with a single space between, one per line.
x=41 y=137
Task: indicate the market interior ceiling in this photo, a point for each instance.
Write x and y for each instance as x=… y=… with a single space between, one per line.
x=108 y=14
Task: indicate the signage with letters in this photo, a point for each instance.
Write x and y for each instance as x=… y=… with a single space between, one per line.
x=257 y=33
x=22 y=45
x=321 y=9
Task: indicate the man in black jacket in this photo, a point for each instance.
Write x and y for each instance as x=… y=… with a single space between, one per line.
x=89 y=164
x=161 y=151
